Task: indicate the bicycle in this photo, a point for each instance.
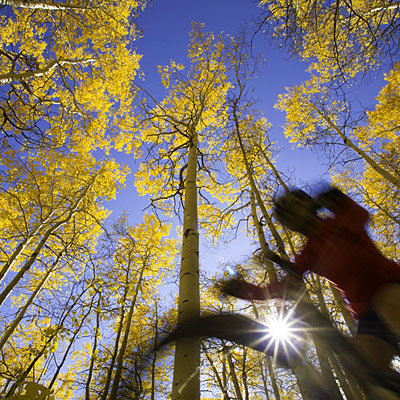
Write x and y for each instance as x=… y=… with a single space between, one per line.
x=251 y=333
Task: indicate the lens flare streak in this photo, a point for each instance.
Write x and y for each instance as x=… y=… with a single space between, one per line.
x=282 y=335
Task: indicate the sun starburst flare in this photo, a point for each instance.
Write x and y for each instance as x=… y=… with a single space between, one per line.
x=283 y=334
x=279 y=329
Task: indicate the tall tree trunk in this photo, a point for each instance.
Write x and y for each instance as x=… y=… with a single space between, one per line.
x=340 y=302
x=186 y=381
x=244 y=374
x=225 y=375
x=347 y=384
x=350 y=387
x=254 y=189
x=261 y=239
x=264 y=378
x=272 y=376
x=323 y=352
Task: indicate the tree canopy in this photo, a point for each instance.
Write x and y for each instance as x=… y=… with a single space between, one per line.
x=86 y=296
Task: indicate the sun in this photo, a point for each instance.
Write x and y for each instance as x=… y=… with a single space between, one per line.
x=283 y=334
x=279 y=329
x=282 y=328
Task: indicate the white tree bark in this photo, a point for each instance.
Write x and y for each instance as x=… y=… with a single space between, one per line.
x=53 y=228
x=40 y=5
x=186 y=381
x=10 y=329
x=348 y=142
x=11 y=77
x=23 y=245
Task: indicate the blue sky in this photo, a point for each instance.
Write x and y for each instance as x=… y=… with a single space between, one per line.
x=166 y=25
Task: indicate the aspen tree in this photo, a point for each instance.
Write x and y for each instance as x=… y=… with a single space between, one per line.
x=55 y=212
x=29 y=302
x=221 y=383
x=179 y=132
x=66 y=198
x=120 y=325
x=343 y=43
x=94 y=348
x=250 y=147
x=232 y=372
x=66 y=72
x=341 y=38
x=138 y=259
x=380 y=135
x=314 y=118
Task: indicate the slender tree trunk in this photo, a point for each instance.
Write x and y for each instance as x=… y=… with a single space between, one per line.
x=10 y=330
x=254 y=189
x=224 y=376
x=321 y=349
x=340 y=302
x=350 y=389
x=244 y=375
x=216 y=373
x=326 y=370
x=275 y=171
x=272 y=376
x=5 y=388
x=154 y=359
x=22 y=246
x=186 y=381
x=349 y=384
x=120 y=358
x=261 y=239
x=94 y=352
x=234 y=377
x=7 y=290
x=264 y=378
x=40 y=5
x=349 y=143
x=11 y=77
x=117 y=340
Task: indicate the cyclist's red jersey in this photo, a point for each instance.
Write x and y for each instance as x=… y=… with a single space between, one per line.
x=342 y=252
